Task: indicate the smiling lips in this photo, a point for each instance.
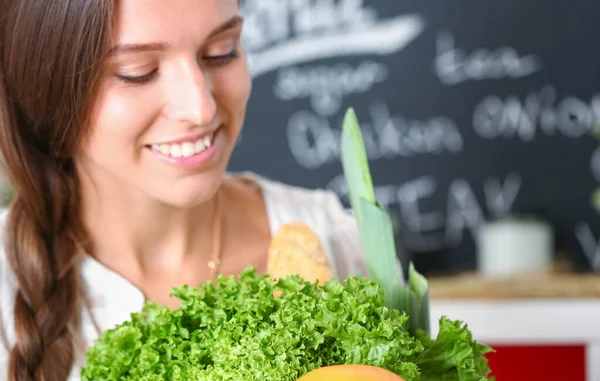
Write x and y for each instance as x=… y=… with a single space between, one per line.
x=185 y=149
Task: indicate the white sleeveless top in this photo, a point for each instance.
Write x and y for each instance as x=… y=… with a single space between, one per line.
x=112 y=298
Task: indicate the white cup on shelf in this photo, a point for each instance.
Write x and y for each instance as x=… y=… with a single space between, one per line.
x=514 y=245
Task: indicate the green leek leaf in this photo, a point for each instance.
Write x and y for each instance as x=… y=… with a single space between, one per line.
x=355 y=162
x=418 y=284
x=377 y=236
x=376 y=232
x=408 y=302
x=374 y=224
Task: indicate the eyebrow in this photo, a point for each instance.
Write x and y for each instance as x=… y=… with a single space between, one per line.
x=232 y=23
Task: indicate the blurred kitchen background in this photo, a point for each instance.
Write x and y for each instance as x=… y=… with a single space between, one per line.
x=481 y=122
x=475 y=114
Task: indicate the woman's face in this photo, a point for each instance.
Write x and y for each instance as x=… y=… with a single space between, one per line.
x=172 y=100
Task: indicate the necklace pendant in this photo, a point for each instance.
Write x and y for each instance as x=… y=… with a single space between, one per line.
x=213 y=264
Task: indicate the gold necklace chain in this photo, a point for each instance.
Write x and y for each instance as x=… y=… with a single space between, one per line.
x=215 y=262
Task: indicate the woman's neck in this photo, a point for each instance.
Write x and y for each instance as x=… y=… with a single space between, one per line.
x=132 y=233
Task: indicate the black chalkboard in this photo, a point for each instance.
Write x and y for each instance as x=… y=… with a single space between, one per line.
x=470 y=110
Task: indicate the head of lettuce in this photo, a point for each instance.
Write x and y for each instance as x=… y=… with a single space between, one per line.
x=238 y=329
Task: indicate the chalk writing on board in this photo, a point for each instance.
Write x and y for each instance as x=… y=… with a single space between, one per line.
x=327 y=85
x=271 y=21
x=589 y=243
x=421 y=230
x=409 y=195
x=539 y=112
x=434 y=229
x=280 y=33
x=314 y=141
x=453 y=65
x=500 y=196
x=463 y=212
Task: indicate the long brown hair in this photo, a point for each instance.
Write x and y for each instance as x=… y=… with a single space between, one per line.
x=51 y=54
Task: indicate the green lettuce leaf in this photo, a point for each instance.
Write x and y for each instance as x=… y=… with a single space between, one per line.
x=239 y=330
x=453 y=355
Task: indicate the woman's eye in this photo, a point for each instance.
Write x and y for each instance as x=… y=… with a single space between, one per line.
x=222 y=53
x=138 y=79
x=222 y=60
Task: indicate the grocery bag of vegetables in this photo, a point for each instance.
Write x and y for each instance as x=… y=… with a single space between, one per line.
x=291 y=327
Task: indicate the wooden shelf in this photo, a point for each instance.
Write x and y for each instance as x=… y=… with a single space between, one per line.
x=550 y=285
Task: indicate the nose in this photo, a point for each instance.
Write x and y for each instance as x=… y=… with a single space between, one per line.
x=190 y=97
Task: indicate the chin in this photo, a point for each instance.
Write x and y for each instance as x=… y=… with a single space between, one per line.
x=189 y=194
x=184 y=200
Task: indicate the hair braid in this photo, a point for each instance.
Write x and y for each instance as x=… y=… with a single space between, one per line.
x=51 y=54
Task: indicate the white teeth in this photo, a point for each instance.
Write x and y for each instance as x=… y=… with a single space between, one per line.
x=165 y=149
x=176 y=150
x=184 y=150
x=199 y=146
x=187 y=149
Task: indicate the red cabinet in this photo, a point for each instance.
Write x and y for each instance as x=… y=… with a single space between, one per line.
x=534 y=339
x=538 y=362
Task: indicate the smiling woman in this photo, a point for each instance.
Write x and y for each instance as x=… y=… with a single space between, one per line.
x=117 y=122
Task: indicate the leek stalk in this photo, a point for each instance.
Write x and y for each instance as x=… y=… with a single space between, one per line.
x=376 y=233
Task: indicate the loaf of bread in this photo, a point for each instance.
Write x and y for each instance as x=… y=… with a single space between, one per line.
x=296 y=250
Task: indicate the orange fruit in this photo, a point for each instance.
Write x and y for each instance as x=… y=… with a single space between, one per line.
x=350 y=372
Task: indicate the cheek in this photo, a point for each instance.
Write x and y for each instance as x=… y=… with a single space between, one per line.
x=234 y=91
x=117 y=125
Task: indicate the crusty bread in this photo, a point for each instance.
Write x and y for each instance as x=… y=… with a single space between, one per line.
x=296 y=250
